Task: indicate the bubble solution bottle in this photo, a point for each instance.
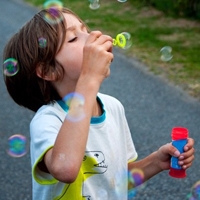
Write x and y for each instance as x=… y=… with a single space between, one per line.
x=179 y=140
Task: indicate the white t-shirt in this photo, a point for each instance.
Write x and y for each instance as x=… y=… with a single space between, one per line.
x=103 y=174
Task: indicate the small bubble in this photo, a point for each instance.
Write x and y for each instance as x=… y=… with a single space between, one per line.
x=74 y=102
x=17 y=145
x=53 y=4
x=10 y=67
x=121 y=1
x=94 y=4
x=166 y=53
x=53 y=16
x=102 y=194
x=42 y=42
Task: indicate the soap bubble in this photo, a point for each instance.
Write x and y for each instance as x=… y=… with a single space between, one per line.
x=76 y=112
x=42 y=42
x=135 y=178
x=10 y=67
x=166 y=53
x=94 y=4
x=102 y=194
x=123 y=40
x=53 y=15
x=195 y=192
x=135 y=182
x=17 y=145
x=132 y=193
x=121 y=1
x=53 y=4
x=120 y=184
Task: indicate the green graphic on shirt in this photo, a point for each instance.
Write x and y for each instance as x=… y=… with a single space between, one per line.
x=93 y=163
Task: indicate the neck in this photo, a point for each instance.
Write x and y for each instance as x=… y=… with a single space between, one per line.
x=97 y=111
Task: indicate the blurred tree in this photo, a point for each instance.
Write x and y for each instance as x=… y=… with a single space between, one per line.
x=184 y=8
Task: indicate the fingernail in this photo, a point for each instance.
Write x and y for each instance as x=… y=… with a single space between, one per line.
x=181 y=157
x=184 y=166
x=176 y=153
x=180 y=162
x=186 y=148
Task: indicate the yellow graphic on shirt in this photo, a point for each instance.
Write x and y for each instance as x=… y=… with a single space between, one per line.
x=93 y=163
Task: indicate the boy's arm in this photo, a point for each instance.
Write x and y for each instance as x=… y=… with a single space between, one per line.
x=63 y=161
x=160 y=159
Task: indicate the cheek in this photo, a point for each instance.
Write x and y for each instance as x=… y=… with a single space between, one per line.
x=76 y=57
x=75 y=60
x=73 y=63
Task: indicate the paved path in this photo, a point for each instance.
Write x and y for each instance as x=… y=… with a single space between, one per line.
x=152 y=107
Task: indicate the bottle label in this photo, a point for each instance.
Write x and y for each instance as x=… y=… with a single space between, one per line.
x=179 y=144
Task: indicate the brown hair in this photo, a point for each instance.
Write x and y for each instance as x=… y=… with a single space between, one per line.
x=26 y=88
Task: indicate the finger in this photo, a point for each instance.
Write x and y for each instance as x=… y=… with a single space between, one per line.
x=189 y=144
x=187 y=154
x=173 y=151
x=186 y=166
x=167 y=150
x=187 y=162
x=104 y=38
x=107 y=46
x=93 y=36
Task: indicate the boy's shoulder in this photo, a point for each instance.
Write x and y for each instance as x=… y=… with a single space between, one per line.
x=108 y=97
x=50 y=110
x=109 y=101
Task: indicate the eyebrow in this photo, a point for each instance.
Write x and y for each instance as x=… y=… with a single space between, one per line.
x=71 y=28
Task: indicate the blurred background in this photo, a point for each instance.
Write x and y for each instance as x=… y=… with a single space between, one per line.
x=157 y=93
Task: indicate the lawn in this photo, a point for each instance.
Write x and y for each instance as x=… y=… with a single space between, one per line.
x=150 y=30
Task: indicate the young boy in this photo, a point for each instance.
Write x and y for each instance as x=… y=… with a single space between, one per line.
x=85 y=157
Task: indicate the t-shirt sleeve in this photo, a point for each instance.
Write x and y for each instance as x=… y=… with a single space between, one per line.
x=43 y=131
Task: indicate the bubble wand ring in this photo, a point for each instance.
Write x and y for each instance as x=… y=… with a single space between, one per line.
x=120 y=40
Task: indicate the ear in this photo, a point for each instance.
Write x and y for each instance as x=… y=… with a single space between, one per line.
x=50 y=76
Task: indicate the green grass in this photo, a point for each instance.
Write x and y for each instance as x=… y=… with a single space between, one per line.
x=150 y=30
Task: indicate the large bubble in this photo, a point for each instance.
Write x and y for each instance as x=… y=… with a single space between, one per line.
x=135 y=182
x=135 y=178
x=17 y=145
x=195 y=192
x=53 y=15
x=10 y=67
x=74 y=102
x=102 y=194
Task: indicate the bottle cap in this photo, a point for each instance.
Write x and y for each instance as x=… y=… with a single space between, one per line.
x=179 y=133
x=177 y=173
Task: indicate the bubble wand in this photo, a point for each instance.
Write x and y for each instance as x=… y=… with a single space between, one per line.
x=123 y=40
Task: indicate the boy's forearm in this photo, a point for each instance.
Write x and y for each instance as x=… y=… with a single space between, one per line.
x=68 y=151
x=149 y=166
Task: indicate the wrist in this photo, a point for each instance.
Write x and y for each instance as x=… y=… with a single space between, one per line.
x=88 y=84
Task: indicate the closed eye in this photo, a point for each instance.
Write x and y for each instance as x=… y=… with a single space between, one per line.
x=73 y=39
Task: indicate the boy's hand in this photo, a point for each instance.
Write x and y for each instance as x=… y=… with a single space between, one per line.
x=165 y=152
x=97 y=56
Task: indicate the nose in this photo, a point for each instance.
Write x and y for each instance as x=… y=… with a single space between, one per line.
x=85 y=35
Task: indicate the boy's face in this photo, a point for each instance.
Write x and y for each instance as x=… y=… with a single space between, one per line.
x=71 y=54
